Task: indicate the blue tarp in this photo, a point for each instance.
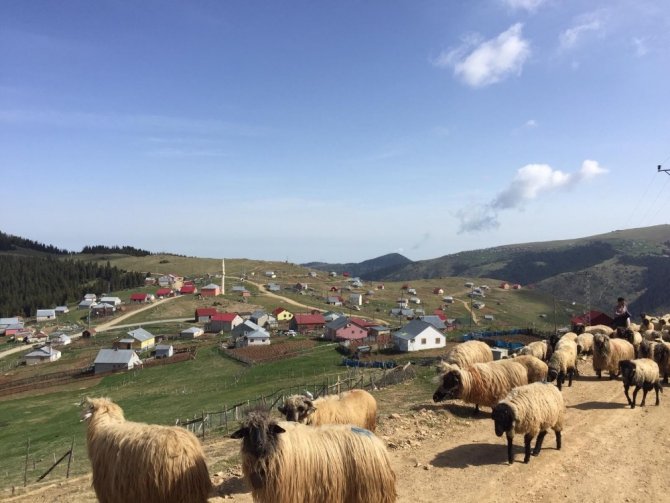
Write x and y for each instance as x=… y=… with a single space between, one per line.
x=348 y=362
x=499 y=343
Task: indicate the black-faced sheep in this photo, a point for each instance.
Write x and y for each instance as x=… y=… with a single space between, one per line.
x=643 y=374
x=288 y=462
x=481 y=383
x=357 y=407
x=607 y=353
x=142 y=462
x=531 y=410
x=538 y=349
x=662 y=358
x=536 y=368
x=563 y=363
x=466 y=354
x=635 y=338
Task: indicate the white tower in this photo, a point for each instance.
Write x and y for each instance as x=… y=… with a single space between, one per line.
x=223 y=277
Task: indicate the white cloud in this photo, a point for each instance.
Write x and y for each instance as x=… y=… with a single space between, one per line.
x=585 y=24
x=640 y=46
x=529 y=182
x=531 y=123
x=480 y=64
x=529 y=5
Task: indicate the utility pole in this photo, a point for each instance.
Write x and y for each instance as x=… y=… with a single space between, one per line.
x=664 y=170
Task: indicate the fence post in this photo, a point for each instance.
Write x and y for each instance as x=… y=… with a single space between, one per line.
x=225 y=417
x=25 y=470
x=204 y=425
x=69 y=461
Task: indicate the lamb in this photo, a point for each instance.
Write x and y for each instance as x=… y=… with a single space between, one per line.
x=662 y=358
x=532 y=410
x=287 y=462
x=142 y=462
x=643 y=374
x=537 y=370
x=563 y=363
x=538 y=349
x=585 y=343
x=357 y=407
x=482 y=383
x=466 y=354
x=607 y=353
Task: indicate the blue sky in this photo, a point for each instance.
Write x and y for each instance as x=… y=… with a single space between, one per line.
x=331 y=131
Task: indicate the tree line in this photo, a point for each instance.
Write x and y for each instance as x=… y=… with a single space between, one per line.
x=124 y=250
x=31 y=283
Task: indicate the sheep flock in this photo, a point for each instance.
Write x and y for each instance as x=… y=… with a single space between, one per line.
x=332 y=439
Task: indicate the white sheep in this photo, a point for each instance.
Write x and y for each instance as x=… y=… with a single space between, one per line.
x=481 y=383
x=585 y=343
x=643 y=374
x=466 y=354
x=142 y=462
x=530 y=410
x=538 y=349
x=536 y=368
x=289 y=462
x=607 y=353
x=563 y=363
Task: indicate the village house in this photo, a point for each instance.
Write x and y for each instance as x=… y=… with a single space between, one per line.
x=112 y=301
x=170 y=280
x=6 y=323
x=189 y=289
x=304 y=323
x=256 y=338
x=162 y=293
x=109 y=360
x=245 y=328
x=270 y=274
x=62 y=310
x=211 y=290
x=141 y=339
x=45 y=315
x=356 y=299
x=273 y=287
x=191 y=333
x=282 y=314
x=435 y=321
x=91 y=296
x=164 y=351
x=86 y=304
x=204 y=314
x=259 y=317
x=402 y=312
x=418 y=335
x=334 y=300
x=141 y=298
x=59 y=339
x=448 y=299
x=223 y=322
x=150 y=281
x=438 y=291
x=344 y=329
x=42 y=355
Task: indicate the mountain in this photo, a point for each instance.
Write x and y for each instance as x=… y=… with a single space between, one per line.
x=594 y=270
x=377 y=267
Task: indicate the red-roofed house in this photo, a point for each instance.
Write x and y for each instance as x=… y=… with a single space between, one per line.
x=440 y=314
x=282 y=314
x=438 y=291
x=141 y=298
x=592 y=318
x=223 y=321
x=334 y=289
x=211 y=290
x=362 y=322
x=307 y=322
x=516 y=286
x=204 y=314
x=188 y=289
x=161 y=293
x=504 y=285
x=344 y=329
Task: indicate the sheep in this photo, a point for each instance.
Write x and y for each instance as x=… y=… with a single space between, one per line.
x=646 y=349
x=635 y=338
x=563 y=363
x=357 y=407
x=643 y=374
x=585 y=343
x=556 y=339
x=607 y=353
x=538 y=349
x=287 y=462
x=599 y=329
x=662 y=358
x=482 y=383
x=532 y=410
x=142 y=462
x=466 y=354
x=537 y=370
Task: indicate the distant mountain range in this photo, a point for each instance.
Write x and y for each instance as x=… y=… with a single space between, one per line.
x=593 y=270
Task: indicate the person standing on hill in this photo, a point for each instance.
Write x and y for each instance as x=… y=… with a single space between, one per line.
x=621 y=314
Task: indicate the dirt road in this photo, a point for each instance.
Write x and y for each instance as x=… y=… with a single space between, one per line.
x=441 y=453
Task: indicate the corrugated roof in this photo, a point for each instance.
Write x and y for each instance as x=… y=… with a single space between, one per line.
x=140 y=334
x=115 y=356
x=412 y=329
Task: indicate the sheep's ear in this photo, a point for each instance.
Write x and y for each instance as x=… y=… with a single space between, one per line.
x=241 y=433
x=275 y=429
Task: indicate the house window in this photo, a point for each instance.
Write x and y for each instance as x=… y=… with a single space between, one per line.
x=437 y=341
x=423 y=340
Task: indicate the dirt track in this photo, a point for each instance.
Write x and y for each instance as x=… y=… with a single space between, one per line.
x=610 y=454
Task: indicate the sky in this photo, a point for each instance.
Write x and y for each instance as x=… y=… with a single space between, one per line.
x=331 y=131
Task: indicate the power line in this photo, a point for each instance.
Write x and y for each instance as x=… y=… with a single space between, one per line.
x=639 y=201
x=653 y=204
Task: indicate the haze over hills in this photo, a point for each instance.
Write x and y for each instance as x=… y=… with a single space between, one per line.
x=593 y=270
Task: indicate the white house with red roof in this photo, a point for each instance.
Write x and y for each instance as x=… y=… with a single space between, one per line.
x=211 y=290
x=141 y=298
x=204 y=314
x=225 y=322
